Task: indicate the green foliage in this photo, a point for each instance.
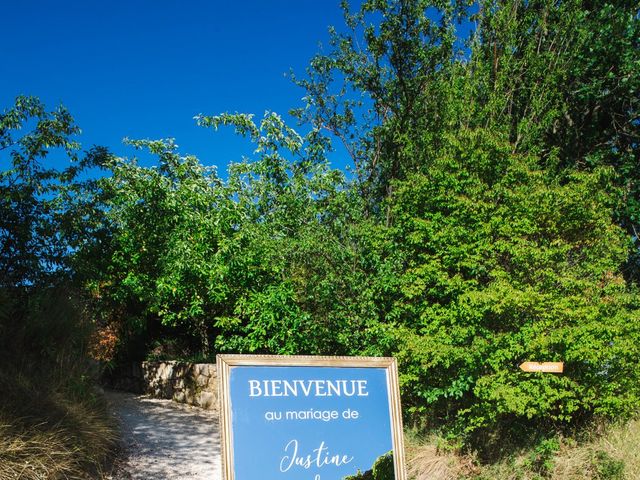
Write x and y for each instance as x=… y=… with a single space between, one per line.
x=51 y=424
x=608 y=468
x=558 y=80
x=500 y=265
x=302 y=253
x=477 y=245
x=165 y=229
x=493 y=218
x=382 y=469
x=562 y=79
x=27 y=229
x=368 y=475
x=384 y=85
x=44 y=330
x=263 y=262
x=541 y=457
x=41 y=210
x=504 y=173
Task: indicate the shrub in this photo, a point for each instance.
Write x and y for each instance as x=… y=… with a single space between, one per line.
x=497 y=263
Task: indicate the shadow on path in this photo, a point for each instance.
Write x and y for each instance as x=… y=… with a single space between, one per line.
x=165 y=440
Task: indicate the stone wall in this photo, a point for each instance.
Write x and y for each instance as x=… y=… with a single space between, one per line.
x=192 y=383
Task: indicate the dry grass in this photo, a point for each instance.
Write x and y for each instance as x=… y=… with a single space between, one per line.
x=51 y=435
x=427 y=461
x=615 y=444
x=611 y=453
x=624 y=443
x=52 y=423
x=36 y=454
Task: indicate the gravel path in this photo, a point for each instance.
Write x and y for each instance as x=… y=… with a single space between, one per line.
x=164 y=440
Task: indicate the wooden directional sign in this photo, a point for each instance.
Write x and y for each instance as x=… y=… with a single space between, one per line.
x=547 y=367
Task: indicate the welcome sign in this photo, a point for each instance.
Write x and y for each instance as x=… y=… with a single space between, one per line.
x=310 y=418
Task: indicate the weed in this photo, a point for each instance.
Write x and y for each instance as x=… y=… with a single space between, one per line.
x=606 y=467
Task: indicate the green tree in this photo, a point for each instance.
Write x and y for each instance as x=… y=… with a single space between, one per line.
x=558 y=80
x=37 y=228
x=42 y=222
x=157 y=261
x=501 y=169
x=272 y=260
x=499 y=262
x=304 y=283
x=561 y=79
x=385 y=84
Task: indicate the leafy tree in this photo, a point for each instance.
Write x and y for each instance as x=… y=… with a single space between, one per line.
x=44 y=329
x=483 y=228
x=44 y=212
x=562 y=80
x=385 y=84
x=32 y=204
x=501 y=169
x=475 y=237
x=303 y=273
x=157 y=261
x=42 y=222
x=271 y=260
x=498 y=262
x=558 y=80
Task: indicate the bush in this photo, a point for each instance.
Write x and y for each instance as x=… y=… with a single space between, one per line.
x=497 y=263
x=383 y=469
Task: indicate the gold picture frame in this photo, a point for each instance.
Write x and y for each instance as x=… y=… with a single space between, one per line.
x=227 y=363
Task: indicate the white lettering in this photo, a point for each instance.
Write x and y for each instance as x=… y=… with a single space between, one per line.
x=290 y=388
x=306 y=388
x=319 y=457
x=362 y=388
x=254 y=388
x=275 y=388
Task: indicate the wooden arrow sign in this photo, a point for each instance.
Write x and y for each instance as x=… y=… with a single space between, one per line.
x=547 y=367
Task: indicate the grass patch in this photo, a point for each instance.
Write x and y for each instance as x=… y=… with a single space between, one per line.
x=51 y=432
x=430 y=457
x=609 y=452
x=53 y=424
x=613 y=453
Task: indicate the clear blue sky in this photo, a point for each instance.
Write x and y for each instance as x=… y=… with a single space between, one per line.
x=143 y=69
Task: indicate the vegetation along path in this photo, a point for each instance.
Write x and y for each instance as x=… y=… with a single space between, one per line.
x=165 y=440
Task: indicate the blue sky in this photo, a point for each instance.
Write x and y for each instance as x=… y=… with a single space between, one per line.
x=143 y=69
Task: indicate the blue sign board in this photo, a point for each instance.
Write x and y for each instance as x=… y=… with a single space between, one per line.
x=316 y=418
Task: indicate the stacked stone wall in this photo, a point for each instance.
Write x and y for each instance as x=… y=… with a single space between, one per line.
x=191 y=383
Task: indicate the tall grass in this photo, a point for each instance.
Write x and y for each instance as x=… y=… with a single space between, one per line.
x=603 y=452
x=53 y=423
x=429 y=458
x=48 y=435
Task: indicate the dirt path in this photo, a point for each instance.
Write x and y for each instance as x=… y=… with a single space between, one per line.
x=164 y=440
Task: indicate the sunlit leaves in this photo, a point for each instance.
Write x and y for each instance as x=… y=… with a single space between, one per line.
x=42 y=213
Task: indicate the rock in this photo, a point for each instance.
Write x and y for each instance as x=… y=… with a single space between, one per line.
x=190 y=397
x=207 y=400
x=202 y=381
x=195 y=384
